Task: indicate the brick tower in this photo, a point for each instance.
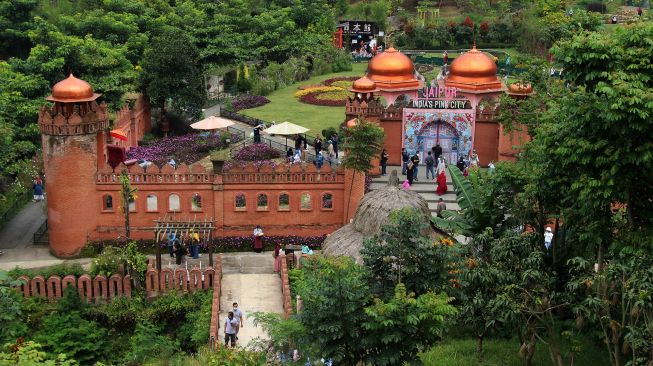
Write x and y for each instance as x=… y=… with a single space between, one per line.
x=71 y=131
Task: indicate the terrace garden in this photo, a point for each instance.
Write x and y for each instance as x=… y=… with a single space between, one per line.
x=186 y=149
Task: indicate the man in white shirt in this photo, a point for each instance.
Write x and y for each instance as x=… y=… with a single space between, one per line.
x=230 y=329
x=238 y=315
x=548 y=238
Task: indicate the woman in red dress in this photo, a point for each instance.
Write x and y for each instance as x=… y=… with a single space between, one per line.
x=442 y=183
x=258 y=239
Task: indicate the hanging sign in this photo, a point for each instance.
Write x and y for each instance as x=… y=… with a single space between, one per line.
x=440 y=98
x=354 y=27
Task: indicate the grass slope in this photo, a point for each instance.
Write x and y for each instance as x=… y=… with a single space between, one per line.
x=500 y=352
x=284 y=106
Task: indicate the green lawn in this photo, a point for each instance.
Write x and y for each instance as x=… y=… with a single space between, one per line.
x=499 y=352
x=284 y=106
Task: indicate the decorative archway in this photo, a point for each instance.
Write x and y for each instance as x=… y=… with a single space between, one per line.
x=183 y=228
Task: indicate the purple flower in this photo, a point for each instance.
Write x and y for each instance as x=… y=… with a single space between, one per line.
x=248 y=101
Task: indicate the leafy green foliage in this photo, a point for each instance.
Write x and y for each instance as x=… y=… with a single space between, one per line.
x=171 y=70
x=362 y=143
x=479 y=206
x=285 y=335
x=147 y=342
x=30 y=354
x=66 y=332
x=390 y=324
x=618 y=300
x=334 y=294
x=11 y=325
x=403 y=252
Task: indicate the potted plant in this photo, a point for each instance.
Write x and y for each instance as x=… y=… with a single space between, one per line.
x=218 y=157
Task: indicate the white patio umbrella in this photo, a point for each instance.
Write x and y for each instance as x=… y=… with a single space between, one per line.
x=286 y=129
x=212 y=123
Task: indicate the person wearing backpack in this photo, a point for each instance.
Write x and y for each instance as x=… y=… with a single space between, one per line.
x=430 y=166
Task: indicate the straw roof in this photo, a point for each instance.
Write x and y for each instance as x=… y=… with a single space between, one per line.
x=371 y=214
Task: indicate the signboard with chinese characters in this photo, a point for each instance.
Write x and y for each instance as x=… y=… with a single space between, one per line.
x=354 y=27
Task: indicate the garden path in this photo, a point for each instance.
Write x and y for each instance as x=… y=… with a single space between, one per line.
x=249 y=279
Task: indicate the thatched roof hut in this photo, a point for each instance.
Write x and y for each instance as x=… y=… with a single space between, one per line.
x=371 y=214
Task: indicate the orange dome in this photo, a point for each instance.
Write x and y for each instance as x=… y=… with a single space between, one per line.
x=473 y=70
x=392 y=71
x=391 y=65
x=72 y=89
x=351 y=123
x=363 y=85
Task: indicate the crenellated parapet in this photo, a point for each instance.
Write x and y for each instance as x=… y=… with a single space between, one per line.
x=252 y=173
x=73 y=119
x=167 y=174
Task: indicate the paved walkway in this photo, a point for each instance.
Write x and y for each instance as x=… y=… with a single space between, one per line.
x=249 y=280
x=18 y=232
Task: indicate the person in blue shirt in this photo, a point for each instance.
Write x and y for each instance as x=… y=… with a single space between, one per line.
x=172 y=238
x=319 y=160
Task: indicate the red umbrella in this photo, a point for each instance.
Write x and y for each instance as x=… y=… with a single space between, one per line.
x=119 y=134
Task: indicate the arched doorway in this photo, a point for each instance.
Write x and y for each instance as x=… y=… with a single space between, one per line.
x=442 y=133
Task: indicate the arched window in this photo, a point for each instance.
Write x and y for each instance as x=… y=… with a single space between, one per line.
x=262 y=201
x=327 y=201
x=306 y=201
x=107 y=202
x=152 y=203
x=196 y=202
x=284 y=202
x=241 y=202
x=132 y=204
x=174 y=203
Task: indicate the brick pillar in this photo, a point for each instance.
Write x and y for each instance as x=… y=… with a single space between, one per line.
x=354 y=185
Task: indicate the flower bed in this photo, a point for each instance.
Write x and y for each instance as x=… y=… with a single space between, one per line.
x=221 y=245
x=256 y=152
x=334 y=93
x=341 y=78
x=184 y=149
x=324 y=100
x=248 y=101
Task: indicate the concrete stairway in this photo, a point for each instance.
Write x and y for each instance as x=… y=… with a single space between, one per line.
x=425 y=188
x=249 y=280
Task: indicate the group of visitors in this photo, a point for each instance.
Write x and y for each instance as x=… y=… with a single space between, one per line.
x=177 y=245
x=366 y=49
x=331 y=152
x=235 y=320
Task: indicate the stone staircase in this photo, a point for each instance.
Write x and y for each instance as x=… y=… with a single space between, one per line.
x=249 y=279
x=425 y=188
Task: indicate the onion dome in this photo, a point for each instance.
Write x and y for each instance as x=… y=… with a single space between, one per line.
x=392 y=70
x=363 y=85
x=351 y=123
x=520 y=88
x=473 y=70
x=71 y=90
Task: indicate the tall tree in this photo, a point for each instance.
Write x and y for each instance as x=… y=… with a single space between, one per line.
x=127 y=195
x=363 y=142
x=171 y=71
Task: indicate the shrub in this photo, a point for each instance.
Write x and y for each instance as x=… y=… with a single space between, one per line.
x=248 y=101
x=107 y=262
x=147 y=342
x=256 y=152
x=194 y=332
x=29 y=353
x=328 y=132
x=68 y=333
x=341 y=63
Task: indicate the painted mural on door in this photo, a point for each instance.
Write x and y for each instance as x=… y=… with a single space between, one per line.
x=452 y=129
